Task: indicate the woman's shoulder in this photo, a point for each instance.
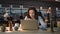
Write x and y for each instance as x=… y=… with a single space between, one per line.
x=26 y=18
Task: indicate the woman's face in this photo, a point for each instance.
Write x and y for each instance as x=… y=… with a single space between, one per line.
x=31 y=13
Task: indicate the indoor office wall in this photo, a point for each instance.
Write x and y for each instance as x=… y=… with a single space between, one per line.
x=16 y=10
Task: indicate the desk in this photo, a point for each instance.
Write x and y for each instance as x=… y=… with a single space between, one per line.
x=30 y=32
x=20 y=31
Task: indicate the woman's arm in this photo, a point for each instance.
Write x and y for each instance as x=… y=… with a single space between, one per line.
x=43 y=24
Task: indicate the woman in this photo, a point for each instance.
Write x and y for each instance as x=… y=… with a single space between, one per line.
x=32 y=15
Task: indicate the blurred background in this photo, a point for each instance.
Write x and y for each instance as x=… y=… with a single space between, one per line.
x=17 y=9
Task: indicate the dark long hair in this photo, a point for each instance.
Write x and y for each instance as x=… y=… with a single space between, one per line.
x=34 y=9
x=36 y=13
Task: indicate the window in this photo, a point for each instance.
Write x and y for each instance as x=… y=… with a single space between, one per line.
x=1 y=10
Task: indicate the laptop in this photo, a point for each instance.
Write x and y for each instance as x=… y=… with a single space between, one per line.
x=29 y=24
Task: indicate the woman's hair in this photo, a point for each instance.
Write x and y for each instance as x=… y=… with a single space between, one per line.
x=35 y=11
